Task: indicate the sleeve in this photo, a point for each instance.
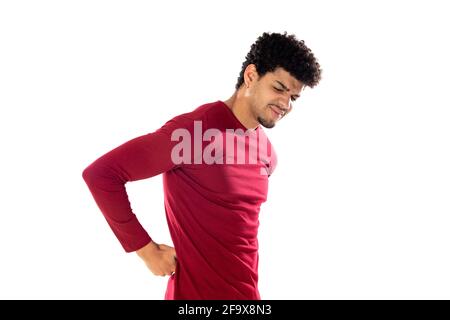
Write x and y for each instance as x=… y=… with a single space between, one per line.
x=139 y=158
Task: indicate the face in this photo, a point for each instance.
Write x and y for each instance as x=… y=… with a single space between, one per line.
x=271 y=96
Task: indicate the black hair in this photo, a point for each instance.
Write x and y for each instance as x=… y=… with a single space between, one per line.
x=272 y=50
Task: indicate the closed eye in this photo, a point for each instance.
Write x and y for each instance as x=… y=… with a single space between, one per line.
x=281 y=90
x=277 y=89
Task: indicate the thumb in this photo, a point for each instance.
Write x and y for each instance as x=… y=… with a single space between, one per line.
x=173 y=252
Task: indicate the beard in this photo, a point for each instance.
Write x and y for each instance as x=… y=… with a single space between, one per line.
x=266 y=123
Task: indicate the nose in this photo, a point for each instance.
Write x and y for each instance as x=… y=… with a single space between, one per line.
x=284 y=105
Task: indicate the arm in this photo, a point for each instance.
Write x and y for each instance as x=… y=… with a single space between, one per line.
x=140 y=158
x=159 y=258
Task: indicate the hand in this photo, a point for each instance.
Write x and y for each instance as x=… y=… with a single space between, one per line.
x=159 y=258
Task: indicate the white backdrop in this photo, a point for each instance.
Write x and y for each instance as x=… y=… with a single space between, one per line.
x=358 y=207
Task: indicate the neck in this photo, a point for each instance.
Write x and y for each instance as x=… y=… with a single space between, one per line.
x=241 y=109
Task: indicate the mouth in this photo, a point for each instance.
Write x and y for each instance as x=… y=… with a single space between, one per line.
x=278 y=113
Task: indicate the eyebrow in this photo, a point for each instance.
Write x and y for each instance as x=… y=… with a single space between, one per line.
x=286 y=88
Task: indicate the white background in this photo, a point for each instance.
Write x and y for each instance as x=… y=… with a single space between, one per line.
x=358 y=207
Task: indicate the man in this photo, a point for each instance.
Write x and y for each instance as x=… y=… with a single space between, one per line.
x=215 y=162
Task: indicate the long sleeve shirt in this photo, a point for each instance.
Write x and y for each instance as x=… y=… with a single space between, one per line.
x=213 y=189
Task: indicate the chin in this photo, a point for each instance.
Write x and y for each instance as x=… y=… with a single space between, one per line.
x=265 y=123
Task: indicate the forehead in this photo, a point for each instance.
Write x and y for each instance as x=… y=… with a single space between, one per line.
x=285 y=77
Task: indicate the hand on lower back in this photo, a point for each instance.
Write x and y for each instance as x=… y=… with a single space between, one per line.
x=159 y=258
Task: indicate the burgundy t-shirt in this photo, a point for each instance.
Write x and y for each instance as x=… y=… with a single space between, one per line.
x=213 y=190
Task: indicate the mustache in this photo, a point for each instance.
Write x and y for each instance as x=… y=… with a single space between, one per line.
x=283 y=111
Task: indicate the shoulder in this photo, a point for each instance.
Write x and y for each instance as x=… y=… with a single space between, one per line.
x=201 y=112
x=188 y=119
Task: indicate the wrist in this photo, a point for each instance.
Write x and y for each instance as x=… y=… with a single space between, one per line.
x=148 y=250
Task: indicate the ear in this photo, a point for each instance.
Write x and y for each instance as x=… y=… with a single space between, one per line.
x=250 y=75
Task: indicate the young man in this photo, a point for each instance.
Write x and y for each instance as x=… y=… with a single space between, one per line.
x=215 y=162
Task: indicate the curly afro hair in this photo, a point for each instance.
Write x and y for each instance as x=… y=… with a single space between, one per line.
x=272 y=50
